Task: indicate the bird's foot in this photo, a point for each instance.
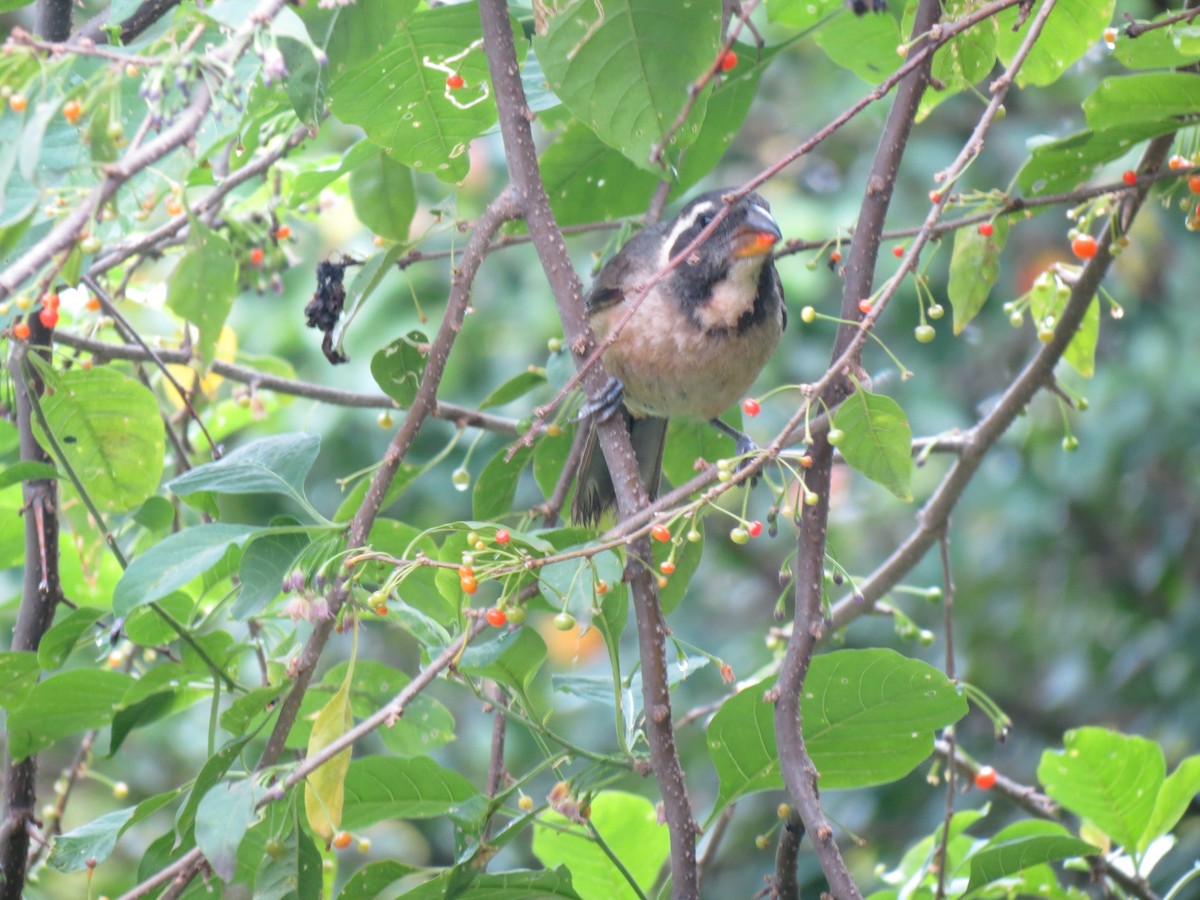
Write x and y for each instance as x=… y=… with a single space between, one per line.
x=605 y=406
x=743 y=444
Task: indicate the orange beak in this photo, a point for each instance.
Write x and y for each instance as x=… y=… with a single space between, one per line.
x=757 y=235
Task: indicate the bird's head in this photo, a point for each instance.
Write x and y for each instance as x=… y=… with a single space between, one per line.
x=747 y=230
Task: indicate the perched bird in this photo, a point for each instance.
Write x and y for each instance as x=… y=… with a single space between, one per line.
x=697 y=341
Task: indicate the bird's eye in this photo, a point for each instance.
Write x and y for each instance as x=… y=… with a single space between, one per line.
x=704 y=220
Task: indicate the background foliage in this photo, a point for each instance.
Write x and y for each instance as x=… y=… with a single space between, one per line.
x=176 y=191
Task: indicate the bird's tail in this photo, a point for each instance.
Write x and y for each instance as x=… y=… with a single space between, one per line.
x=594 y=492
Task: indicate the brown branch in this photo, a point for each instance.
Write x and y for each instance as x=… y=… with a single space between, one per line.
x=1135 y=29
x=460 y=415
x=40 y=595
x=521 y=156
x=939 y=860
x=54 y=19
x=497 y=773
x=138 y=21
x=20 y=37
x=1037 y=374
x=786 y=852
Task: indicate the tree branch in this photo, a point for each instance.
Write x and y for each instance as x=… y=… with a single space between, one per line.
x=521 y=156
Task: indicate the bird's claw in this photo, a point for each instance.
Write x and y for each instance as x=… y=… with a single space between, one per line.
x=605 y=406
x=743 y=444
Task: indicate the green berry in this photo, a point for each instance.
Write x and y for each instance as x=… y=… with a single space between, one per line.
x=924 y=333
x=461 y=479
x=808 y=315
x=564 y=621
x=1016 y=319
x=739 y=535
x=1070 y=443
x=935 y=311
x=835 y=436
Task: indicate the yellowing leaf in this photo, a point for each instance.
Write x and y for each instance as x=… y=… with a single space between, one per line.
x=227 y=345
x=325 y=787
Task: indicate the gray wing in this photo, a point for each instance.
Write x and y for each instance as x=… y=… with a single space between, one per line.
x=632 y=263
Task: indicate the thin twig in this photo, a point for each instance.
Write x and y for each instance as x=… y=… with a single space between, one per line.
x=939 y=860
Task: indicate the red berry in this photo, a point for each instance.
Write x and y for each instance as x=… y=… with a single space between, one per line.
x=667 y=567
x=935 y=197
x=986 y=229
x=1084 y=246
x=751 y=407
x=48 y=316
x=1177 y=162
x=1194 y=184
x=256 y=256
x=864 y=306
x=898 y=251
x=835 y=257
x=502 y=536
x=51 y=301
x=283 y=233
x=728 y=60
x=1129 y=177
x=985 y=778
x=21 y=331
x=455 y=81
x=496 y=617
x=755 y=529
x=468 y=584
x=661 y=533
x=601 y=586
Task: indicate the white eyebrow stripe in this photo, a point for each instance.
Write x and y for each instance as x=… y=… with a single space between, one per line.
x=684 y=223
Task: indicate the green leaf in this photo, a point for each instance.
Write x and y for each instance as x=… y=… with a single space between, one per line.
x=516 y=387
x=1071 y=29
x=273 y=465
x=109 y=430
x=588 y=181
x=399 y=96
x=974 y=268
x=629 y=826
x=869 y=718
x=550 y=454
x=398 y=367
x=262 y=570
x=1023 y=845
x=251 y=707
x=296 y=875
x=497 y=484
x=877 y=440
x=222 y=819
x=324 y=788
x=866 y=45
x=515 y=885
x=65 y=703
x=1171 y=47
x=1151 y=98
x=307 y=186
x=384 y=196
x=210 y=774
x=513 y=658
x=386 y=787
x=802 y=14
x=626 y=72
x=1065 y=164
x=1080 y=354
x=689 y=440
x=370 y=880
x=1172 y=801
x=963 y=61
x=203 y=285
x=571 y=583
x=26 y=471
x=173 y=562
x=18 y=674
x=57 y=643
x=93 y=840
x=1112 y=780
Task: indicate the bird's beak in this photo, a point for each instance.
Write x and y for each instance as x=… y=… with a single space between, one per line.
x=756 y=235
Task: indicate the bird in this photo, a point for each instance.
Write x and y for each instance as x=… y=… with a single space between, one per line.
x=696 y=343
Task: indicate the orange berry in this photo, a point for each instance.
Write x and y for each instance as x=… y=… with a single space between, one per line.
x=18 y=102
x=935 y=197
x=502 y=536
x=661 y=533
x=985 y=778
x=93 y=303
x=835 y=257
x=1084 y=246
x=21 y=331
x=662 y=582
x=48 y=317
x=283 y=232
x=381 y=609
x=728 y=60
x=1194 y=184
x=496 y=617
x=751 y=407
x=256 y=256
x=864 y=306
x=1177 y=162
x=455 y=81
x=174 y=207
x=342 y=840
x=466 y=572
x=601 y=586
x=51 y=300
x=131 y=70
x=667 y=567
x=72 y=111
x=468 y=584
